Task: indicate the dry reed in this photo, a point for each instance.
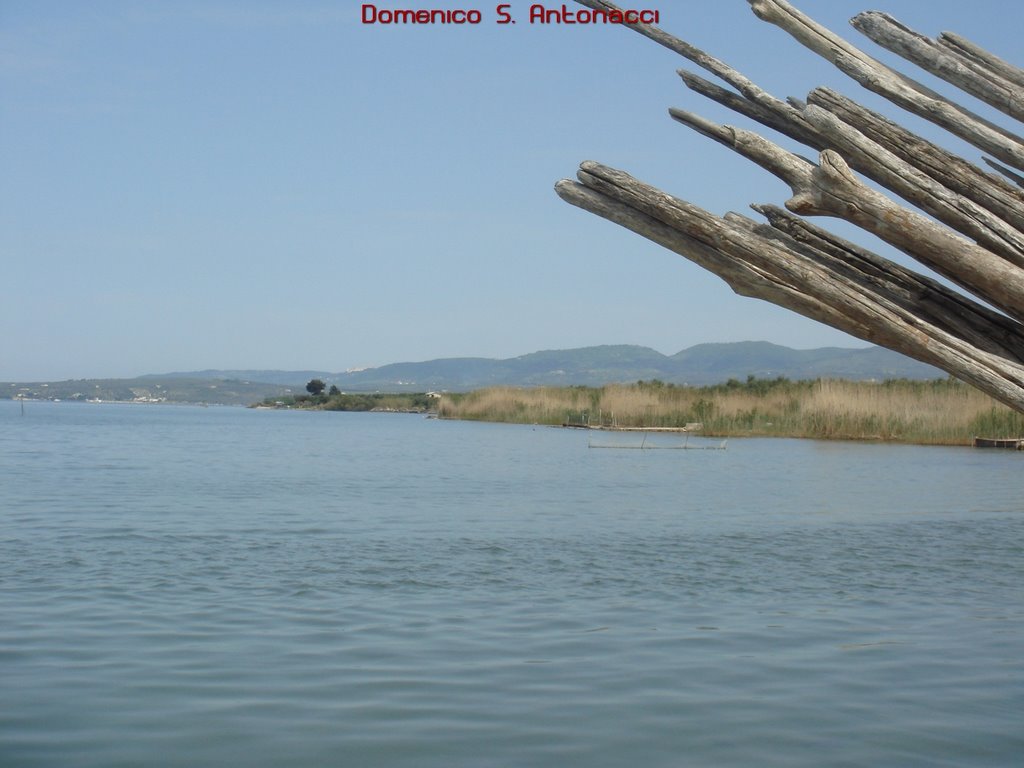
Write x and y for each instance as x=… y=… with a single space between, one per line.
x=942 y=412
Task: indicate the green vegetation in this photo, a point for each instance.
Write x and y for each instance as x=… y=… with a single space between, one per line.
x=939 y=412
x=336 y=400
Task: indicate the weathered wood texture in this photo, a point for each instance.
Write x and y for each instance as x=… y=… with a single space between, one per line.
x=968 y=226
x=967 y=74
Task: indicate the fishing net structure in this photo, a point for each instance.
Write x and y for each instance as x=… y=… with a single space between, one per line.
x=962 y=221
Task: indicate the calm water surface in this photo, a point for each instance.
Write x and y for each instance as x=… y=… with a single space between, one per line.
x=213 y=586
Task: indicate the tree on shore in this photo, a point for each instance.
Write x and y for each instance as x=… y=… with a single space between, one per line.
x=315 y=387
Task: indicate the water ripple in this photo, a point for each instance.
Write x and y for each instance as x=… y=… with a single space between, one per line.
x=476 y=595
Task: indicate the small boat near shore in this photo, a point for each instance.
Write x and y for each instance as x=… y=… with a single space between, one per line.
x=1006 y=443
x=694 y=426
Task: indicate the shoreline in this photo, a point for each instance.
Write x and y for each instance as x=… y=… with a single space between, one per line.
x=875 y=439
x=939 y=412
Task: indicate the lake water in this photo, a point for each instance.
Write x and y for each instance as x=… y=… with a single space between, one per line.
x=188 y=586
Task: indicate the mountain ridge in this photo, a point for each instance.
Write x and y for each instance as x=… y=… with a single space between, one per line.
x=699 y=365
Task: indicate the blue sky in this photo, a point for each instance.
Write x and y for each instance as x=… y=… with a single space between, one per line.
x=196 y=184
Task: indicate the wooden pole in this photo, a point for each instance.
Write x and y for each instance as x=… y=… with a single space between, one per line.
x=968 y=226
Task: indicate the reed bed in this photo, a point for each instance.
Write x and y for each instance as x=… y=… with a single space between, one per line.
x=941 y=412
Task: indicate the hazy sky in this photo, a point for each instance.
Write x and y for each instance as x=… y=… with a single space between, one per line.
x=238 y=184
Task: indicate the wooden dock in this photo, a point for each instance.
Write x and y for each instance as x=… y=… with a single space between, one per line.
x=689 y=428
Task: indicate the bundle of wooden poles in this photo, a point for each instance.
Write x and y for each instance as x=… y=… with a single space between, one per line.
x=960 y=221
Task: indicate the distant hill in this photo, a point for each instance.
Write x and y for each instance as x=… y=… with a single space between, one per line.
x=271 y=376
x=713 y=363
x=198 y=388
x=593 y=366
x=589 y=366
